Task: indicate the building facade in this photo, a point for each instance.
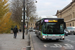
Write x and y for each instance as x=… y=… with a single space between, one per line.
x=68 y=13
x=31 y=25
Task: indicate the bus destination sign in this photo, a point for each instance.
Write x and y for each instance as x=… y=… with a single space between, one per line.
x=50 y=21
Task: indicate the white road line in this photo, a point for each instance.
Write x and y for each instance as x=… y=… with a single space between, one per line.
x=45 y=45
x=65 y=46
x=68 y=46
x=58 y=45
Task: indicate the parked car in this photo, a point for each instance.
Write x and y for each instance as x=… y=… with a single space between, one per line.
x=71 y=30
x=66 y=33
x=34 y=30
x=30 y=30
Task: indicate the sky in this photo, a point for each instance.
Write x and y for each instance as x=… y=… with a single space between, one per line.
x=50 y=7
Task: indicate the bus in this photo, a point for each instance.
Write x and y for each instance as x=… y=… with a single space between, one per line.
x=50 y=29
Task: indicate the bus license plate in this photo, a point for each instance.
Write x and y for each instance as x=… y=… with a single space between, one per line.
x=53 y=38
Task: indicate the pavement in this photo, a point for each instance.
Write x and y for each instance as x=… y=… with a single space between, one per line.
x=7 y=42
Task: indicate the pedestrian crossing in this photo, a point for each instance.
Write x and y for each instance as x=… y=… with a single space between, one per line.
x=65 y=46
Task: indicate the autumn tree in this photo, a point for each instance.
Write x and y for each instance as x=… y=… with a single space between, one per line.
x=7 y=23
x=3 y=8
x=5 y=17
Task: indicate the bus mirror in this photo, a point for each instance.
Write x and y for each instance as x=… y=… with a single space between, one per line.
x=64 y=25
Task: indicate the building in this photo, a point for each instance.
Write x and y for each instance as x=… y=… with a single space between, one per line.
x=68 y=13
x=31 y=24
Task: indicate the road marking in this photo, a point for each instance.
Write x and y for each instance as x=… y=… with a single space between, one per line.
x=68 y=46
x=45 y=45
x=56 y=46
x=65 y=46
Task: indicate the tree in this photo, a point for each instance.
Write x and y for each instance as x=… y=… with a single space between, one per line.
x=5 y=17
x=16 y=9
x=7 y=23
x=3 y=8
x=30 y=8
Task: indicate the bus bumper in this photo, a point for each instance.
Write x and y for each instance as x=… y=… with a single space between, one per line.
x=54 y=38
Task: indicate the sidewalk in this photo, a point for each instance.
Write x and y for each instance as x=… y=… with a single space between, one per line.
x=7 y=42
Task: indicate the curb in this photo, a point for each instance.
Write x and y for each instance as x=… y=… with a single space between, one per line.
x=31 y=44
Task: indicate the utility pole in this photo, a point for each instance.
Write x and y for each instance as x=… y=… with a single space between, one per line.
x=23 y=19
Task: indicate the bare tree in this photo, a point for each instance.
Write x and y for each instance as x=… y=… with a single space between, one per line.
x=16 y=8
x=30 y=8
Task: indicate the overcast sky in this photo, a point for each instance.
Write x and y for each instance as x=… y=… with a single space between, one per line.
x=50 y=7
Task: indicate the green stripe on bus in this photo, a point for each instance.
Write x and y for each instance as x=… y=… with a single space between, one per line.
x=52 y=34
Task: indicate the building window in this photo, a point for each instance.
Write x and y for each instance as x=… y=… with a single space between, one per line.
x=31 y=23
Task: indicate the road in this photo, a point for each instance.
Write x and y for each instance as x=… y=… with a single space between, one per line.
x=67 y=44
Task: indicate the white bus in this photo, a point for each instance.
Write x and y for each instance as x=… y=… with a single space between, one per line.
x=50 y=28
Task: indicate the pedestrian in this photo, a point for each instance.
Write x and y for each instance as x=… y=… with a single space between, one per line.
x=15 y=30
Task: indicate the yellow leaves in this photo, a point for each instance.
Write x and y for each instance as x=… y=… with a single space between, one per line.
x=5 y=23
x=3 y=7
x=5 y=17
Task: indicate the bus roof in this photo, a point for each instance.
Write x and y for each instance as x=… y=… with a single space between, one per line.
x=51 y=18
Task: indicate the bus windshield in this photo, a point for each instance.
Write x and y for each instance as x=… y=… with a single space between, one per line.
x=53 y=28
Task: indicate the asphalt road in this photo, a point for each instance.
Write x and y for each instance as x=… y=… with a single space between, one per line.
x=67 y=44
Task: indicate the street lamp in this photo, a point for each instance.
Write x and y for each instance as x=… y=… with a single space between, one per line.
x=23 y=18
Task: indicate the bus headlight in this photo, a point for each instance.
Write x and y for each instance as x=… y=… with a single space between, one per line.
x=62 y=36
x=44 y=36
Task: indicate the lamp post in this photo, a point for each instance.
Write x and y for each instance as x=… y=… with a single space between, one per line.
x=23 y=18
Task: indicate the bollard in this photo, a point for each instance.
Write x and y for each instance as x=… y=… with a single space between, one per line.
x=28 y=42
x=28 y=39
x=28 y=48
